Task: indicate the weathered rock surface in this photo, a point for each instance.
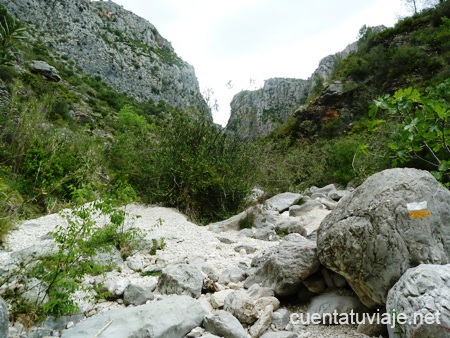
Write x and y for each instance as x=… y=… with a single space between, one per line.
x=281 y=334
x=422 y=292
x=371 y=238
x=282 y=201
x=232 y=274
x=331 y=302
x=136 y=295
x=181 y=279
x=172 y=317
x=224 y=324
x=284 y=267
x=43 y=68
x=228 y=224
x=256 y=113
x=263 y=322
x=107 y=41
x=246 y=305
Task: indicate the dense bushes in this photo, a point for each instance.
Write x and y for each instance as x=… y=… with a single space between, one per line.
x=415 y=50
x=184 y=162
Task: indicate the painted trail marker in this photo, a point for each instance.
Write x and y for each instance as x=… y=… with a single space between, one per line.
x=418 y=210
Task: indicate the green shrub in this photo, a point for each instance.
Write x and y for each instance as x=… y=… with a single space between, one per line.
x=423 y=128
x=10 y=204
x=60 y=273
x=198 y=168
x=248 y=221
x=11 y=32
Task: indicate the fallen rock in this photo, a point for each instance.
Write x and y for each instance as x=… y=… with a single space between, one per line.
x=172 y=317
x=337 y=195
x=289 y=226
x=282 y=201
x=181 y=279
x=229 y=224
x=284 y=267
x=245 y=305
x=137 y=262
x=247 y=248
x=327 y=202
x=422 y=292
x=223 y=323
x=218 y=298
x=263 y=322
x=374 y=235
x=232 y=274
x=324 y=190
x=332 y=302
x=281 y=334
x=110 y=258
x=263 y=234
x=43 y=68
x=116 y=287
x=136 y=295
x=281 y=318
x=303 y=209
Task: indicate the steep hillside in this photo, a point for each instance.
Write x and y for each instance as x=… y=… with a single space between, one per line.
x=94 y=102
x=114 y=45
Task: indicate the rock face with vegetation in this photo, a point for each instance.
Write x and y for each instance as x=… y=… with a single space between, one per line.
x=259 y=112
x=115 y=45
x=256 y=113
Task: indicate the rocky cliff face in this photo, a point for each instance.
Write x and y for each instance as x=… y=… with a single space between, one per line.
x=106 y=41
x=324 y=71
x=256 y=113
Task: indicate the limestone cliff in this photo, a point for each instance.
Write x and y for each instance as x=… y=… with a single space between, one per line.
x=256 y=113
x=119 y=47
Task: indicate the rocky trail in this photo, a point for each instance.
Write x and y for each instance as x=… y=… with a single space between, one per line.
x=211 y=281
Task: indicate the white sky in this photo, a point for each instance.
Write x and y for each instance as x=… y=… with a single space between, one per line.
x=244 y=40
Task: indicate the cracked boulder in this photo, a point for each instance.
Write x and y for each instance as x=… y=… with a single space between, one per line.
x=284 y=267
x=397 y=219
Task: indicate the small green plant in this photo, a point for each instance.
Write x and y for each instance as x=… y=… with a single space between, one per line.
x=159 y=222
x=11 y=32
x=77 y=243
x=248 y=221
x=157 y=245
x=10 y=203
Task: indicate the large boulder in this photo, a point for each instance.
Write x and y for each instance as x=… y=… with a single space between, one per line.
x=224 y=324
x=181 y=279
x=333 y=302
x=246 y=305
x=43 y=68
x=172 y=317
x=284 y=267
x=282 y=201
x=395 y=220
x=422 y=297
x=4 y=319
